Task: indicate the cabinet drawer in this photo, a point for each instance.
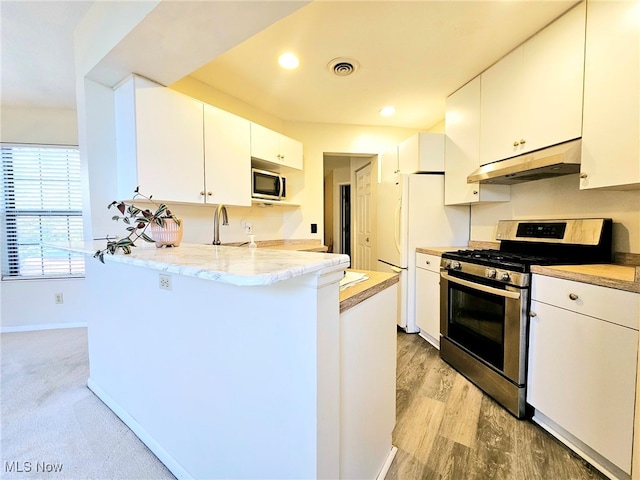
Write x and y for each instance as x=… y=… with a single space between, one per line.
x=428 y=262
x=616 y=306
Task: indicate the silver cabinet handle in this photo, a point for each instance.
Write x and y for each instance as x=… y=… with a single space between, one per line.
x=475 y=192
x=209 y=193
x=202 y=193
x=584 y=175
x=516 y=143
x=427 y=262
x=573 y=296
x=522 y=141
x=483 y=288
x=533 y=314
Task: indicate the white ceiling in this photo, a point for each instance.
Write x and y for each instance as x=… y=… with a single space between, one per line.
x=412 y=54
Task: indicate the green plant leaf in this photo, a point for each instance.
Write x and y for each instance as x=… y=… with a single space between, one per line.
x=122 y=207
x=160 y=221
x=115 y=217
x=124 y=242
x=131 y=229
x=126 y=249
x=101 y=257
x=126 y=220
x=147 y=238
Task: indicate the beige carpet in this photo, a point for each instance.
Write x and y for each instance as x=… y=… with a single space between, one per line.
x=52 y=425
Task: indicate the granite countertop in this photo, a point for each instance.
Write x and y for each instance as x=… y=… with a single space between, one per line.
x=306 y=245
x=234 y=265
x=359 y=292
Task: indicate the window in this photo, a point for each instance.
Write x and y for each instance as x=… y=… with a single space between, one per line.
x=41 y=203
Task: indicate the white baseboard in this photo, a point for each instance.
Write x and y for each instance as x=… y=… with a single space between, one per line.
x=583 y=450
x=43 y=326
x=387 y=463
x=141 y=433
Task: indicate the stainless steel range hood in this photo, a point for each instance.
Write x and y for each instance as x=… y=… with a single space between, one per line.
x=555 y=161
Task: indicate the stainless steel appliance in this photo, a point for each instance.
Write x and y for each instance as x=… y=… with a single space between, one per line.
x=268 y=185
x=485 y=298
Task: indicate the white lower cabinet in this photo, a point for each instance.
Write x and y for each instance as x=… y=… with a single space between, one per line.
x=428 y=297
x=583 y=349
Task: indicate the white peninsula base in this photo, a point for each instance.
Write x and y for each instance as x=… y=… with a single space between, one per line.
x=228 y=381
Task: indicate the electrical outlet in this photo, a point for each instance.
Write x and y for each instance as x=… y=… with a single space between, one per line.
x=165 y=282
x=248 y=228
x=58 y=298
x=314 y=228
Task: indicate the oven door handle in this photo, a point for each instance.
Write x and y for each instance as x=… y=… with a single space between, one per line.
x=482 y=288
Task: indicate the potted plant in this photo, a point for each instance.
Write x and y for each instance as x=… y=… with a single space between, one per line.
x=165 y=227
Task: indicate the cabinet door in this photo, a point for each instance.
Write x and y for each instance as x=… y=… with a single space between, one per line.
x=389 y=166
x=610 y=141
x=275 y=147
x=290 y=152
x=227 y=156
x=582 y=376
x=422 y=152
x=552 y=82
x=169 y=144
x=428 y=298
x=502 y=109
x=265 y=144
x=462 y=148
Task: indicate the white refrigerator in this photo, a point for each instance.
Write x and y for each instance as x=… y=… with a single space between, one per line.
x=411 y=214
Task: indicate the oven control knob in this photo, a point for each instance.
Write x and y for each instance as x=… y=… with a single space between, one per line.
x=491 y=273
x=504 y=276
x=456 y=266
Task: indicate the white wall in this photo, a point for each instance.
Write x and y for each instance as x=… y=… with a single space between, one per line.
x=29 y=304
x=561 y=197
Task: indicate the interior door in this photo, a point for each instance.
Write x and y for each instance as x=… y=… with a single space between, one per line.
x=362 y=258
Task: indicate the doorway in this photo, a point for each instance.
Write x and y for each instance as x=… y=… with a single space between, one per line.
x=345 y=219
x=363 y=219
x=341 y=206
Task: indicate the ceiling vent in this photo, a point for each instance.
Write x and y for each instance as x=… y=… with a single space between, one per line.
x=343 y=67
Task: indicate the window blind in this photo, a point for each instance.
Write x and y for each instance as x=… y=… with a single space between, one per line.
x=41 y=203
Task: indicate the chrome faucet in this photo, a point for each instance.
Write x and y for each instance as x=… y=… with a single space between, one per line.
x=216 y=222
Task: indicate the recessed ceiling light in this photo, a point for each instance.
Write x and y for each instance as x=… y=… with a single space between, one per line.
x=288 y=60
x=387 y=111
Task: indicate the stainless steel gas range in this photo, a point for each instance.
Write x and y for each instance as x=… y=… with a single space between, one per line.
x=485 y=298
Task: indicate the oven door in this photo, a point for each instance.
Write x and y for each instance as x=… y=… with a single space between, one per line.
x=487 y=320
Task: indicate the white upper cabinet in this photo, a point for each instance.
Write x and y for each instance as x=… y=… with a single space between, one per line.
x=389 y=166
x=610 y=141
x=532 y=98
x=275 y=148
x=179 y=149
x=422 y=152
x=227 y=155
x=462 y=150
x=159 y=142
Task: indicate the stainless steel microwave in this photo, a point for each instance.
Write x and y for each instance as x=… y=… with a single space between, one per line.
x=268 y=185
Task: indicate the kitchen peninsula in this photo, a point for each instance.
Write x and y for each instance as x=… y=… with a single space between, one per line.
x=233 y=366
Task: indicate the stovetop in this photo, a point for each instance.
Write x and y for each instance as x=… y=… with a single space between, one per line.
x=541 y=242
x=515 y=261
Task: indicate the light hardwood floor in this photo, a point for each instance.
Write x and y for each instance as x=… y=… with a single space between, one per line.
x=449 y=429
